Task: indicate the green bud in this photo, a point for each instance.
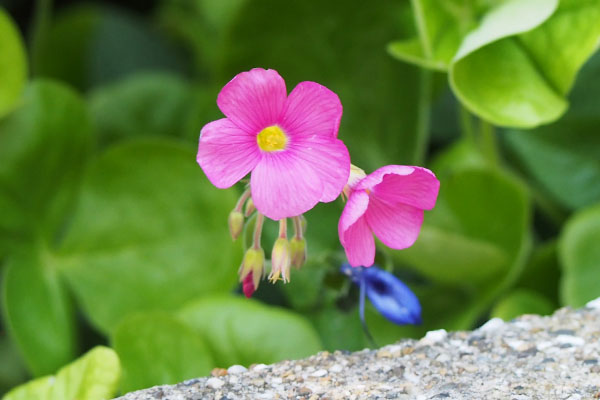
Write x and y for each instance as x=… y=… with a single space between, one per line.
x=298 y=250
x=250 y=208
x=236 y=224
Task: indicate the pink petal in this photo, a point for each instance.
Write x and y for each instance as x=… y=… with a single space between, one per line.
x=360 y=245
x=396 y=225
x=226 y=153
x=312 y=109
x=284 y=185
x=329 y=158
x=415 y=186
x=355 y=208
x=355 y=235
x=253 y=100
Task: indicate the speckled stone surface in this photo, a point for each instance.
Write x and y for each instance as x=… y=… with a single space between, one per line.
x=532 y=357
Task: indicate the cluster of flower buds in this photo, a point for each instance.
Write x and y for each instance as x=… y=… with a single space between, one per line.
x=284 y=254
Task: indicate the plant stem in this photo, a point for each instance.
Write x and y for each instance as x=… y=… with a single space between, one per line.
x=423 y=117
x=422 y=28
x=488 y=142
x=258 y=230
x=40 y=24
x=466 y=124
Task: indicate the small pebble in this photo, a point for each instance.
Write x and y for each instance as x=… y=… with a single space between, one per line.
x=492 y=325
x=432 y=337
x=214 y=383
x=237 y=369
x=319 y=373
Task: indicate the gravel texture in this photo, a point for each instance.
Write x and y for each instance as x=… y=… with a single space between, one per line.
x=532 y=357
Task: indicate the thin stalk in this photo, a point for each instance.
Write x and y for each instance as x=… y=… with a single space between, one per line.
x=297 y=227
x=423 y=117
x=283 y=228
x=40 y=24
x=488 y=142
x=260 y=219
x=361 y=312
x=240 y=203
x=422 y=28
x=466 y=124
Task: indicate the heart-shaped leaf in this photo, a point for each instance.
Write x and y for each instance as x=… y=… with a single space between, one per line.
x=150 y=230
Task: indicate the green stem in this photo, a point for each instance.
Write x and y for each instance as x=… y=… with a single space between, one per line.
x=423 y=117
x=41 y=22
x=466 y=124
x=422 y=28
x=488 y=142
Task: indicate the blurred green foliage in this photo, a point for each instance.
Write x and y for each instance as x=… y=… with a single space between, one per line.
x=111 y=234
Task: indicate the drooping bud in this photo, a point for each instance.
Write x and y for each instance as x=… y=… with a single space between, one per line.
x=236 y=224
x=298 y=250
x=280 y=261
x=250 y=208
x=253 y=265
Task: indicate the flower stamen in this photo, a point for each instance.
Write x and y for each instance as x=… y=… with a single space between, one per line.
x=272 y=138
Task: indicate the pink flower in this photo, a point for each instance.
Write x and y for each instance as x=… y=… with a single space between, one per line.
x=289 y=143
x=388 y=203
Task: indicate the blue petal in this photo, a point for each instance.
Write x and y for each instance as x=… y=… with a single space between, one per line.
x=391 y=297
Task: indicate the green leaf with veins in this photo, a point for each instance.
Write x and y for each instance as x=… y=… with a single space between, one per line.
x=151 y=229
x=94 y=376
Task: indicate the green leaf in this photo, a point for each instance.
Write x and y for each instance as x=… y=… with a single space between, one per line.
x=156 y=349
x=39 y=312
x=94 y=376
x=441 y=26
x=13 y=64
x=103 y=44
x=465 y=239
x=243 y=331
x=145 y=104
x=517 y=66
x=562 y=158
x=522 y=301
x=150 y=229
x=579 y=255
x=43 y=146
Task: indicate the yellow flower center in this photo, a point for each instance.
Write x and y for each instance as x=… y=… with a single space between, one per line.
x=271 y=138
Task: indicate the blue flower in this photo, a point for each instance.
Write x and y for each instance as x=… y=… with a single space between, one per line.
x=390 y=296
